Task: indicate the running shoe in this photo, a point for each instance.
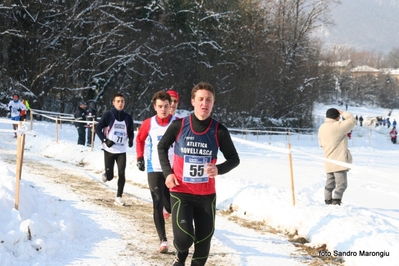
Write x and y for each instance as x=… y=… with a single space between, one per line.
x=180 y=258
x=119 y=201
x=166 y=214
x=176 y=262
x=104 y=177
x=163 y=248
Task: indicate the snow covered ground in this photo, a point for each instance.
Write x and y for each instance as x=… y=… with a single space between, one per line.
x=65 y=230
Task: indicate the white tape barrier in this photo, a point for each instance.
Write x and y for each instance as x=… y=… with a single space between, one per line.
x=68 y=120
x=288 y=131
x=8 y=121
x=19 y=132
x=37 y=111
x=264 y=146
x=321 y=158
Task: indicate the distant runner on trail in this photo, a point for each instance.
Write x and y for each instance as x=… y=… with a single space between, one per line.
x=15 y=106
x=116 y=130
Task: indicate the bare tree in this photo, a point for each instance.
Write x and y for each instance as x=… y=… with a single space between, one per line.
x=259 y=54
x=296 y=59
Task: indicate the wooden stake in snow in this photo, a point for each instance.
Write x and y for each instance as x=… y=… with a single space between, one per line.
x=291 y=171
x=20 y=157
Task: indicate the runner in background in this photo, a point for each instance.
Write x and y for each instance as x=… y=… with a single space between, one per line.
x=23 y=113
x=152 y=130
x=174 y=101
x=15 y=106
x=116 y=131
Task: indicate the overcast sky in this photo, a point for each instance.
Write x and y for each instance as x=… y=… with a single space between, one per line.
x=367 y=24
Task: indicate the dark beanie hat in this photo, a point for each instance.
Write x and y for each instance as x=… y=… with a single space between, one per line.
x=332 y=113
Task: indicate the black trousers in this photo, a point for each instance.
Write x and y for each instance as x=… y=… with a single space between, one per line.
x=193 y=221
x=81 y=134
x=160 y=198
x=89 y=133
x=109 y=162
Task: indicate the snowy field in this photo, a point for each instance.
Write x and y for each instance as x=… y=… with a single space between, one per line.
x=364 y=230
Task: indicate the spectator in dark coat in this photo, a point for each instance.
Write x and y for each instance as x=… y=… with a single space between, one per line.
x=91 y=116
x=80 y=115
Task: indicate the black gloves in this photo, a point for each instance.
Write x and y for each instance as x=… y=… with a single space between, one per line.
x=130 y=143
x=140 y=164
x=109 y=143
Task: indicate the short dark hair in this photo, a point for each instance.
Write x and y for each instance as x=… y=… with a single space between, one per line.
x=202 y=86
x=118 y=94
x=161 y=95
x=332 y=113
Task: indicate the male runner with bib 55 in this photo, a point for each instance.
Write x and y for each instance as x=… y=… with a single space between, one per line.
x=191 y=181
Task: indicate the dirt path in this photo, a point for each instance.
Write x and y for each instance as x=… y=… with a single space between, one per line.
x=142 y=241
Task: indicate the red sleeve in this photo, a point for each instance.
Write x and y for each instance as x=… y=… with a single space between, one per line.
x=142 y=136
